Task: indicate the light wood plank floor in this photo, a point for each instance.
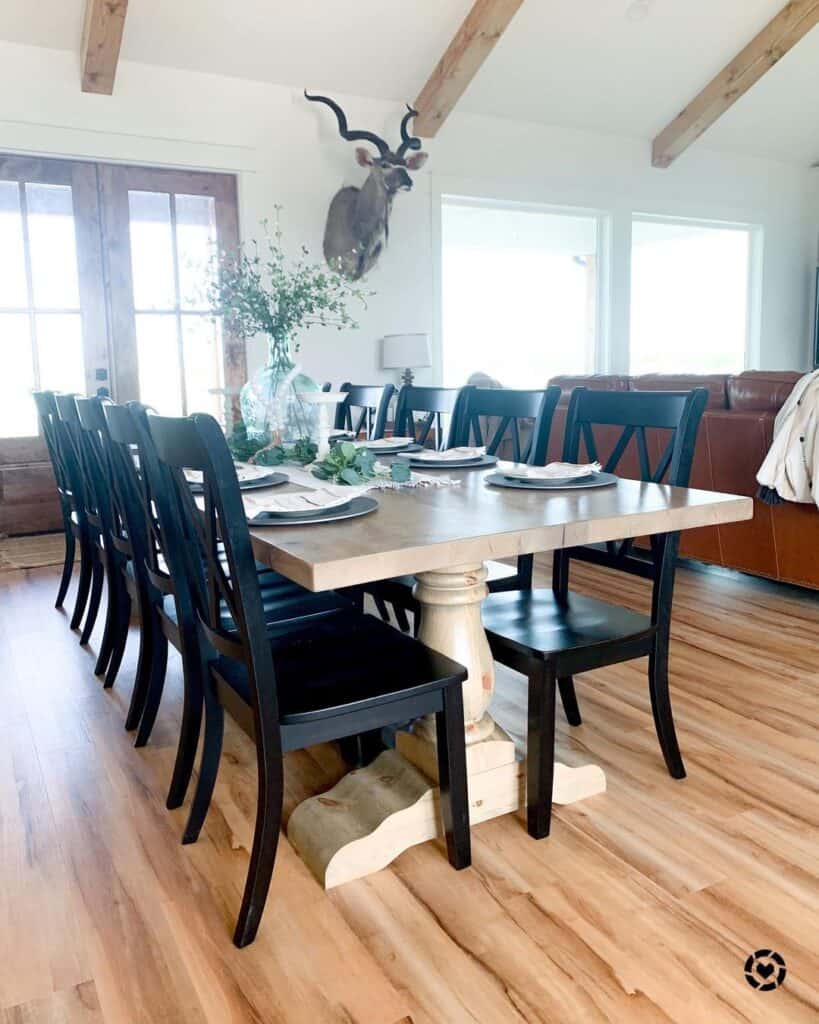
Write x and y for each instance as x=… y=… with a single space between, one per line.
x=641 y=907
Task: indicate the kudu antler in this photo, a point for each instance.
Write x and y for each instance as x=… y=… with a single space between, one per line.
x=358 y=218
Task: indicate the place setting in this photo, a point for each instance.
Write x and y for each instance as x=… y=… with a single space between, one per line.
x=462 y=457
x=321 y=505
x=556 y=476
x=250 y=477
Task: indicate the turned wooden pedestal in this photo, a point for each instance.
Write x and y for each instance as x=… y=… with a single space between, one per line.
x=375 y=813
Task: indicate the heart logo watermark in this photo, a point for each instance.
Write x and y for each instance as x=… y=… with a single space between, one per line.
x=765 y=970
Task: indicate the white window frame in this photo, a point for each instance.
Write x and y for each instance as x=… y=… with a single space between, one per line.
x=601 y=350
x=756 y=248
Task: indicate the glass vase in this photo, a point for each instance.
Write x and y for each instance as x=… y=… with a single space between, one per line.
x=270 y=403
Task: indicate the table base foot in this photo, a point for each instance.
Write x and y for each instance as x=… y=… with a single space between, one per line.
x=375 y=813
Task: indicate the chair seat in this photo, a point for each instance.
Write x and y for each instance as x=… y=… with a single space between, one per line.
x=344 y=663
x=534 y=623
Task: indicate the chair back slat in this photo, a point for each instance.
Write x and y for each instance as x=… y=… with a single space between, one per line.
x=364 y=409
x=634 y=413
x=55 y=444
x=419 y=412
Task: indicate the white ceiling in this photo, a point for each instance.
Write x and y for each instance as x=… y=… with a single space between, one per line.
x=577 y=63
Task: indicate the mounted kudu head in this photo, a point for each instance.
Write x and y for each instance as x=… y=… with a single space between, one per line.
x=358 y=218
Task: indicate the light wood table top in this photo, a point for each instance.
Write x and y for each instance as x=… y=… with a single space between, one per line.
x=426 y=528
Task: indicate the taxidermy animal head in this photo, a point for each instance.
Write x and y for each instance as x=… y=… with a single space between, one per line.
x=358 y=219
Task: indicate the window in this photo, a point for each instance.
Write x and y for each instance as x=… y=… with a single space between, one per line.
x=519 y=292
x=40 y=315
x=690 y=297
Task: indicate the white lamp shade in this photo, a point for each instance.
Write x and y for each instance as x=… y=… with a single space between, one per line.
x=399 y=351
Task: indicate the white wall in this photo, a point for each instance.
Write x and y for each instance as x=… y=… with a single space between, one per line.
x=285 y=150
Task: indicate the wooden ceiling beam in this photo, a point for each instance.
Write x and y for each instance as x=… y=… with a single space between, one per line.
x=471 y=45
x=779 y=36
x=101 y=40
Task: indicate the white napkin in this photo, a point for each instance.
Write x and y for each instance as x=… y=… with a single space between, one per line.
x=319 y=500
x=450 y=455
x=554 y=471
x=244 y=471
x=385 y=443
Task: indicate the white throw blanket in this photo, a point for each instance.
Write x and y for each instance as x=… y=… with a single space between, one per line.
x=791 y=467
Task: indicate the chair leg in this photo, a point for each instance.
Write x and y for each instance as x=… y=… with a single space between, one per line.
x=661 y=709
x=190 y=728
x=208 y=768
x=156 y=684
x=142 y=679
x=68 y=565
x=84 y=585
x=109 y=632
x=449 y=726
x=122 y=621
x=540 y=751
x=97 y=575
x=265 y=844
x=568 y=698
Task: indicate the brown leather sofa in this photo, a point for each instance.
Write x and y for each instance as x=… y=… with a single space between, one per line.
x=781 y=541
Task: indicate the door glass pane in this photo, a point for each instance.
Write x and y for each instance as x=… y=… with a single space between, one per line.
x=160 y=382
x=518 y=293
x=152 y=250
x=202 y=348
x=689 y=297
x=60 y=352
x=53 y=246
x=195 y=243
x=18 y=417
x=13 y=291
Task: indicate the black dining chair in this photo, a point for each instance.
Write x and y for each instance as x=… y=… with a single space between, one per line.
x=110 y=537
x=60 y=453
x=363 y=412
x=551 y=635
x=303 y=684
x=93 y=502
x=420 y=412
x=496 y=418
x=172 y=607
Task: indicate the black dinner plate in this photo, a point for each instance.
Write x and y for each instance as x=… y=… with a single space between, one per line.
x=268 y=480
x=475 y=462
x=563 y=484
x=359 y=506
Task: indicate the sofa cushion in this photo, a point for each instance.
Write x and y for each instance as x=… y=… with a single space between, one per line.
x=595 y=382
x=714 y=383
x=760 y=390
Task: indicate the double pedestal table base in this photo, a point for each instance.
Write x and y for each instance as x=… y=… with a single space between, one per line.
x=375 y=813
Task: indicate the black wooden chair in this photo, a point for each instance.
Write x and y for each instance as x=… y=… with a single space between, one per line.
x=494 y=418
x=110 y=537
x=303 y=684
x=171 y=606
x=61 y=454
x=550 y=635
x=364 y=410
x=419 y=413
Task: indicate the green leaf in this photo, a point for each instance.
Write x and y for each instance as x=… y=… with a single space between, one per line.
x=349 y=476
x=347 y=449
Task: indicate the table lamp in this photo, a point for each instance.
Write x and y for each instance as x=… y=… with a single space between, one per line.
x=405 y=352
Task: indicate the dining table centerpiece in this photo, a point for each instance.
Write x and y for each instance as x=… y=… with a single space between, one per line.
x=258 y=289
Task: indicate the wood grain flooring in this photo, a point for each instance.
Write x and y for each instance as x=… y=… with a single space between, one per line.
x=641 y=907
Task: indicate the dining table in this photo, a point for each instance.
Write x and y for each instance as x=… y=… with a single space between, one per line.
x=443 y=536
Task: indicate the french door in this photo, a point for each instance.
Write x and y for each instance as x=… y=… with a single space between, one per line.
x=103 y=273
x=162 y=231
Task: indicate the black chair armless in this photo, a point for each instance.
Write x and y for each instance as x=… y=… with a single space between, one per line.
x=550 y=635
x=420 y=411
x=321 y=680
x=363 y=412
